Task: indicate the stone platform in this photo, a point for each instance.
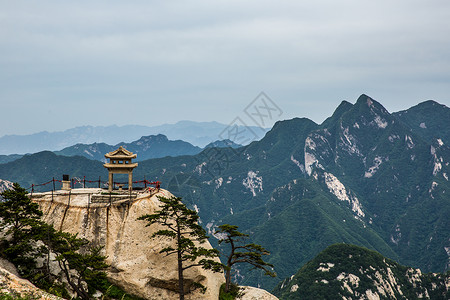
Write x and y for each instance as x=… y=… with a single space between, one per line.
x=86 y=197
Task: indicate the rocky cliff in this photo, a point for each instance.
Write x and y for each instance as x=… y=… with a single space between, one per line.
x=5 y=185
x=11 y=284
x=252 y=293
x=111 y=221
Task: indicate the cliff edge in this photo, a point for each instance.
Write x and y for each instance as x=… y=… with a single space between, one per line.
x=111 y=221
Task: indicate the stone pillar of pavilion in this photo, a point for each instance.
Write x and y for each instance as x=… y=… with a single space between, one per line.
x=120 y=162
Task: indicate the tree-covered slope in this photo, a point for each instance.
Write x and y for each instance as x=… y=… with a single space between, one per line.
x=299 y=220
x=8 y=158
x=389 y=179
x=344 y=271
x=399 y=179
x=41 y=167
x=147 y=147
x=428 y=119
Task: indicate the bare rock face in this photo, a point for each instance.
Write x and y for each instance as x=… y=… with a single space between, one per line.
x=252 y=293
x=5 y=185
x=13 y=285
x=136 y=264
x=6 y=265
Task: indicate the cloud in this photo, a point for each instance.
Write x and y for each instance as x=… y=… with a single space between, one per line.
x=192 y=53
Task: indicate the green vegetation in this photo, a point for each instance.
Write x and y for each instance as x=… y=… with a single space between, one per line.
x=9 y=296
x=324 y=277
x=231 y=294
x=8 y=158
x=152 y=146
x=82 y=265
x=302 y=226
x=78 y=267
x=181 y=225
x=111 y=291
x=428 y=119
x=43 y=166
x=20 y=217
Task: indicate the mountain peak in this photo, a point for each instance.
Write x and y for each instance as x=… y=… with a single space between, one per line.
x=223 y=144
x=340 y=110
x=368 y=104
x=371 y=103
x=153 y=138
x=429 y=104
x=290 y=126
x=428 y=119
x=345 y=103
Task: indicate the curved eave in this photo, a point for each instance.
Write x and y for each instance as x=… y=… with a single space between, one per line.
x=120 y=156
x=120 y=166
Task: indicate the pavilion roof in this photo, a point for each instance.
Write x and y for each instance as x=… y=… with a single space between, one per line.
x=120 y=153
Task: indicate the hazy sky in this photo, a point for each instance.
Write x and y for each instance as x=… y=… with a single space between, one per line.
x=71 y=63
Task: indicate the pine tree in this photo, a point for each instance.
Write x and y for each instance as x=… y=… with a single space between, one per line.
x=81 y=264
x=18 y=215
x=181 y=225
x=248 y=253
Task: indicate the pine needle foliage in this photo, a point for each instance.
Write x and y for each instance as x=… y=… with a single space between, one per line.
x=18 y=217
x=26 y=238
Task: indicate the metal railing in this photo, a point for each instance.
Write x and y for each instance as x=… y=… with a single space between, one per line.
x=77 y=182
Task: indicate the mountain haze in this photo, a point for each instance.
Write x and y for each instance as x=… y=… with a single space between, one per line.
x=153 y=146
x=197 y=133
x=363 y=176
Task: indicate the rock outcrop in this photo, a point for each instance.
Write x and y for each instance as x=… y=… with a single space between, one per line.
x=252 y=293
x=111 y=221
x=15 y=286
x=5 y=185
x=344 y=271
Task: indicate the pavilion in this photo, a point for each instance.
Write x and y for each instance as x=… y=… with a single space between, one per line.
x=120 y=161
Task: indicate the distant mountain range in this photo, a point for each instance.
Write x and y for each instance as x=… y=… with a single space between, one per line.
x=153 y=146
x=199 y=134
x=8 y=158
x=146 y=147
x=364 y=176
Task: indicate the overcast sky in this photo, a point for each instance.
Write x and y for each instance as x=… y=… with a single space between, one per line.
x=71 y=63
